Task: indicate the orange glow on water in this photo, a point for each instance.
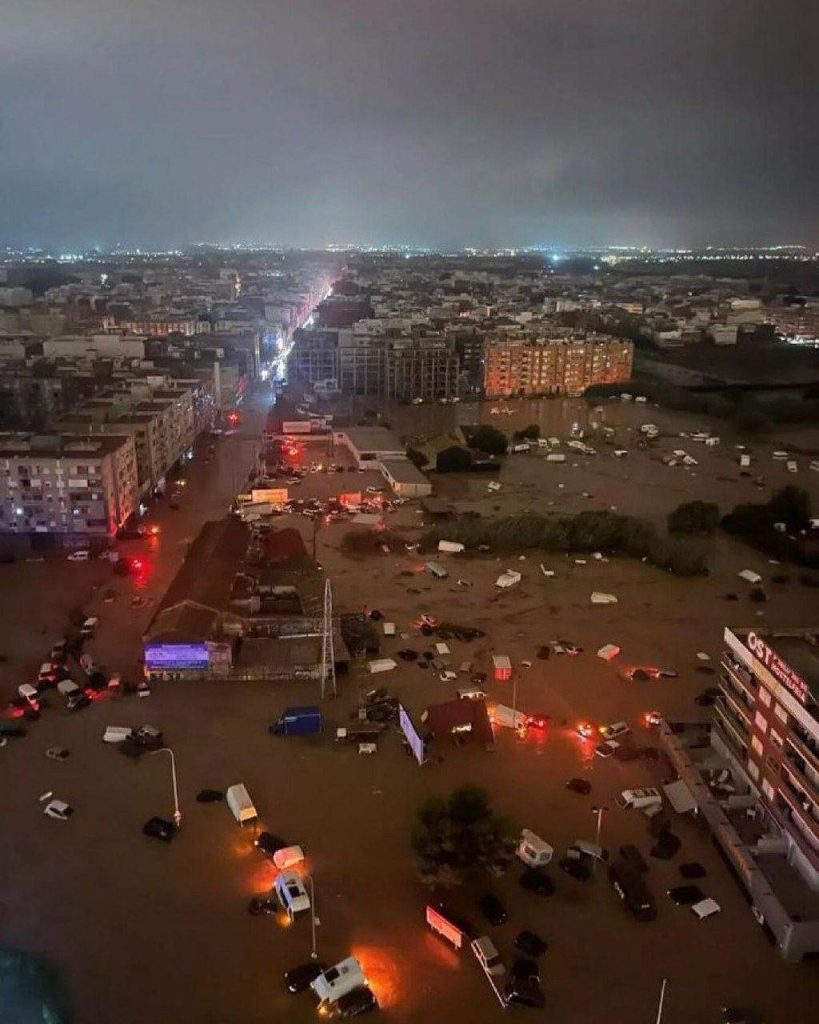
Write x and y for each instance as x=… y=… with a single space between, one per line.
x=382 y=971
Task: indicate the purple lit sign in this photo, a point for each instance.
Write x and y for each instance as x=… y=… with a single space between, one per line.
x=172 y=657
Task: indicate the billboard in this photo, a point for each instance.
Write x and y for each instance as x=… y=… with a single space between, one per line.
x=438 y=923
x=271 y=495
x=416 y=744
x=175 y=657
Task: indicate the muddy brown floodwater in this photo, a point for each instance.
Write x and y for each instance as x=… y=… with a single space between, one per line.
x=148 y=932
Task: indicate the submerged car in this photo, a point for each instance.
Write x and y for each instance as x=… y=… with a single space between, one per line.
x=582 y=786
x=353 y=1004
x=686 y=895
x=298 y=979
x=530 y=943
x=493 y=910
x=537 y=882
x=159 y=828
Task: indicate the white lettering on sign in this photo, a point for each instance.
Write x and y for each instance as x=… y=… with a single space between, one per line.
x=778 y=668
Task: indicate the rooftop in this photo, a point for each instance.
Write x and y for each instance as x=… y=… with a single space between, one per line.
x=373 y=439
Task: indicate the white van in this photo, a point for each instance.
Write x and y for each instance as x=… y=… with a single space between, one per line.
x=533 y=850
x=615 y=730
x=473 y=692
x=238 y=800
x=487 y=956
x=639 y=799
x=288 y=857
x=291 y=893
x=502 y=715
x=338 y=980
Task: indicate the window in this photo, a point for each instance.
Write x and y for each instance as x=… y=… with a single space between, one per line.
x=776 y=739
x=765 y=696
x=767 y=789
x=753 y=770
x=761 y=722
x=756 y=745
x=781 y=713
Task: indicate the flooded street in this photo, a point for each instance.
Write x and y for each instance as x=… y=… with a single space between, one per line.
x=117 y=912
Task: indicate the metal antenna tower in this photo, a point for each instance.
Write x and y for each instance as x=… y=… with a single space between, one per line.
x=328 y=660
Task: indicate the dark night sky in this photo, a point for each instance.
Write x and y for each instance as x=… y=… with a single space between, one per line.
x=438 y=122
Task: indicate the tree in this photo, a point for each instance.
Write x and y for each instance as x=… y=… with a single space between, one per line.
x=791 y=506
x=418 y=459
x=453 y=460
x=458 y=833
x=530 y=433
x=489 y=440
x=694 y=517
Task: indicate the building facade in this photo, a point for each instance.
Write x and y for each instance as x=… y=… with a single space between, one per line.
x=768 y=717
x=77 y=487
x=555 y=366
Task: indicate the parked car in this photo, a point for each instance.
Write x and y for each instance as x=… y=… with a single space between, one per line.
x=666 y=847
x=159 y=828
x=493 y=910
x=686 y=895
x=607 y=749
x=585 y=730
x=298 y=979
x=582 y=786
x=530 y=943
x=579 y=868
x=78 y=701
x=353 y=1004
x=538 y=721
x=58 y=809
x=270 y=844
x=520 y=992
x=615 y=730
x=692 y=870
x=524 y=969
x=537 y=882
x=631 y=855
x=259 y=905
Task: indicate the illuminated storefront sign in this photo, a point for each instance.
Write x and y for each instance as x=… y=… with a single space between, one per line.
x=778 y=668
x=174 y=657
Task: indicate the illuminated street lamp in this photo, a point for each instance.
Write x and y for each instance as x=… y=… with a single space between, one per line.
x=177 y=814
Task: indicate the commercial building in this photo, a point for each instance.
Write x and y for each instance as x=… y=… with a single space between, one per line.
x=769 y=717
x=754 y=777
x=405 y=479
x=370 y=446
x=555 y=366
x=71 y=487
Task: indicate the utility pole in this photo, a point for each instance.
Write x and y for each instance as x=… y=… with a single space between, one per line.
x=328 y=660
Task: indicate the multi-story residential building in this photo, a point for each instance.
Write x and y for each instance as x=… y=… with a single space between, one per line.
x=314 y=357
x=569 y=365
x=74 y=487
x=769 y=717
x=160 y=420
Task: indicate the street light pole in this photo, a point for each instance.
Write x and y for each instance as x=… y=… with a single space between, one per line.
x=662 y=1001
x=313 y=951
x=177 y=814
x=599 y=812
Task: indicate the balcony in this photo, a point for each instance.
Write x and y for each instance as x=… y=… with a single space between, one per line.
x=733 y=732
x=794 y=798
x=804 y=745
x=738 y=701
x=740 y=675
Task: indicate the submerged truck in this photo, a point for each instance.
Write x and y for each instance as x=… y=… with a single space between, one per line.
x=301 y=721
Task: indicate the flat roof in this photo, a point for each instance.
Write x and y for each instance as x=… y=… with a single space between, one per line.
x=403 y=471
x=373 y=439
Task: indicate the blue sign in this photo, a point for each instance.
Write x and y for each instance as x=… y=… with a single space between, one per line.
x=172 y=657
x=409 y=730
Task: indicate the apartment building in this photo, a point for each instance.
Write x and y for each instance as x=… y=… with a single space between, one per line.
x=769 y=717
x=554 y=366
x=70 y=486
x=160 y=421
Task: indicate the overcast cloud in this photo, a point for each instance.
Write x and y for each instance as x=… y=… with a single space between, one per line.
x=453 y=122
